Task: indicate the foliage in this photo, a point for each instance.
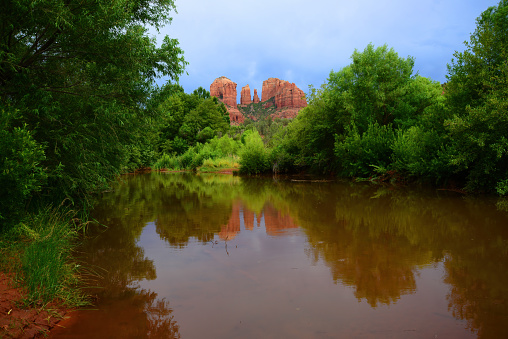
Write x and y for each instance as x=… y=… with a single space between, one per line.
x=476 y=94
x=217 y=150
x=21 y=173
x=80 y=73
x=358 y=154
x=212 y=165
x=377 y=89
x=187 y=119
x=39 y=251
x=420 y=153
x=254 y=158
x=373 y=87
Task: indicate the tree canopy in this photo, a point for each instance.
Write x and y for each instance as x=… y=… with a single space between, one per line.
x=476 y=94
x=75 y=79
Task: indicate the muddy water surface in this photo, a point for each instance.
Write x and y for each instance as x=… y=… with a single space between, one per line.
x=217 y=256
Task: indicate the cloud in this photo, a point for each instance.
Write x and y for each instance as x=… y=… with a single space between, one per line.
x=302 y=41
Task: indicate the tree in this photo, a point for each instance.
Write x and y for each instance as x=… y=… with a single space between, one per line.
x=80 y=73
x=476 y=94
x=377 y=89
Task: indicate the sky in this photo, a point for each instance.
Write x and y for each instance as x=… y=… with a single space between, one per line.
x=302 y=41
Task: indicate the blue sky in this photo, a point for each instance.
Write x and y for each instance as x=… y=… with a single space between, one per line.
x=302 y=41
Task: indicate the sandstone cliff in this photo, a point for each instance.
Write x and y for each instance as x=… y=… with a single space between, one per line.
x=245 y=98
x=225 y=90
x=290 y=96
x=286 y=94
x=279 y=99
x=256 y=98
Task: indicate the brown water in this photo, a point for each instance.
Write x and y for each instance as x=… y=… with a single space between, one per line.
x=217 y=256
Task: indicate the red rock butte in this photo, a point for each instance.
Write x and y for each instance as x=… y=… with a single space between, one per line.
x=288 y=99
x=245 y=98
x=225 y=90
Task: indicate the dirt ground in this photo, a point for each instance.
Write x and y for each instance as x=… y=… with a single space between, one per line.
x=16 y=322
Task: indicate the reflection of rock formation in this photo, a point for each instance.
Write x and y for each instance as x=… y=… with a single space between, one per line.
x=248 y=219
x=275 y=221
x=232 y=228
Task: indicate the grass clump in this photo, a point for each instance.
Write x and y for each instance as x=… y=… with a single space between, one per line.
x=39 y=251
x=211 y=165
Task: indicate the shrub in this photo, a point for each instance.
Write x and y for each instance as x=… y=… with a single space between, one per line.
x=359 y=155
x=21 y=173
x=253 y=157
x=417 y=153
x=167 y=162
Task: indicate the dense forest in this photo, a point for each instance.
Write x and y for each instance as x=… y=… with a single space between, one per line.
x=80 y=106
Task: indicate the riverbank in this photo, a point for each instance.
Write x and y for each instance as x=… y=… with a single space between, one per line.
x=19 y=322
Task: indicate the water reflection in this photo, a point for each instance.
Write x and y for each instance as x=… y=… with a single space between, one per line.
x=375 y=241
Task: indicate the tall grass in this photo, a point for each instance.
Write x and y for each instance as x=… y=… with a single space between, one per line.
x=210 y=165
x=42 y=257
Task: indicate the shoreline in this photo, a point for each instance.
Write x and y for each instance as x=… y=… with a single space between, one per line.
x=19 y=322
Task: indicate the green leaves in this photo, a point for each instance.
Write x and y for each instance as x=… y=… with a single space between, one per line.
x=80 y=75
x=476 y=95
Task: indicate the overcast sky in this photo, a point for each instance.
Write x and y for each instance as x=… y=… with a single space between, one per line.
x=302 y=41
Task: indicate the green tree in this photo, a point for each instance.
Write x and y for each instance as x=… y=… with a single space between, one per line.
x=377 y=89
x=80 y=74
x=373 y=87
x=476 y=94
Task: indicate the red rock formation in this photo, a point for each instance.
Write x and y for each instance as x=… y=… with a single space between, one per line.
x=229 y=231
x=290 y=96
x=225 y=90
x=256 y=98
x=245 y=98
x=287 y=98
x=286 y=94
x=286 y=113
x=270 y=88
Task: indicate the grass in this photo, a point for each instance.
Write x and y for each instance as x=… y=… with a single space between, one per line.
x=167 y=162
x=212 y=165
x=39 y=252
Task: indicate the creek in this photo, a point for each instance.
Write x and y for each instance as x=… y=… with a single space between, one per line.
x=180 y=255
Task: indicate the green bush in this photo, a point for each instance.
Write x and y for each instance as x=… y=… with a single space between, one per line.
x=21 y=172
x=167 y=161
x=254 y=156
x=360 y=154
x=418 y=153
x=187 y=158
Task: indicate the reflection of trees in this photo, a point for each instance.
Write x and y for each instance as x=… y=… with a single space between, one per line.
x=379 y=237
x=116 y=258
x=477 y=274
x=379 y=264
x=160 y=320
